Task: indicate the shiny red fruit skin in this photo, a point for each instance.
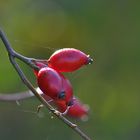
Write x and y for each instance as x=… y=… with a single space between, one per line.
x=68 y=60
x=40 y=65
x=77 y=110
x=67 y=87
x=50 y=82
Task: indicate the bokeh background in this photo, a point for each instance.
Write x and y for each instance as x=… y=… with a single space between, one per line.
x=107 y=30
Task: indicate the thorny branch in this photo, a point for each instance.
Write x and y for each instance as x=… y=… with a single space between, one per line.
x=29 y=61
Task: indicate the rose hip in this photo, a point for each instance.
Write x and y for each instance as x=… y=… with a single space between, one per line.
x=54 y=84
x=77 y=110
x=68 y=60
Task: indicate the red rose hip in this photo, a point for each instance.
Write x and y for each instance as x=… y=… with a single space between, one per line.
x=54 y=84
x=77 y=110
x=68 y=60
x=50 y=82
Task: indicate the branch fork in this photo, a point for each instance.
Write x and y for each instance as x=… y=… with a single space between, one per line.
x=30 y=62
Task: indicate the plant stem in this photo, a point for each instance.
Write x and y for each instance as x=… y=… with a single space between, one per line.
x=12 y=55
x=12 y=97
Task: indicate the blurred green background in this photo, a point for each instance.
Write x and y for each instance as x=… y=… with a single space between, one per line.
x=107 y=30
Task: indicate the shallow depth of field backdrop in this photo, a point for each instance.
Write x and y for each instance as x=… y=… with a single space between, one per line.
x=107 y=30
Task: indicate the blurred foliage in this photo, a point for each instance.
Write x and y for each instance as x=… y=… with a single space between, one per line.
x=109 y=31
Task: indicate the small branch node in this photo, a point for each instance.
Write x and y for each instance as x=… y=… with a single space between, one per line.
x=39 y=107
x=74 y=125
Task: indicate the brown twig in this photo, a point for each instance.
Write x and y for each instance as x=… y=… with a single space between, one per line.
x=29 y=61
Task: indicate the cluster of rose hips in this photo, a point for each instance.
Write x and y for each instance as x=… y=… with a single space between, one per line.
x=55 y=86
